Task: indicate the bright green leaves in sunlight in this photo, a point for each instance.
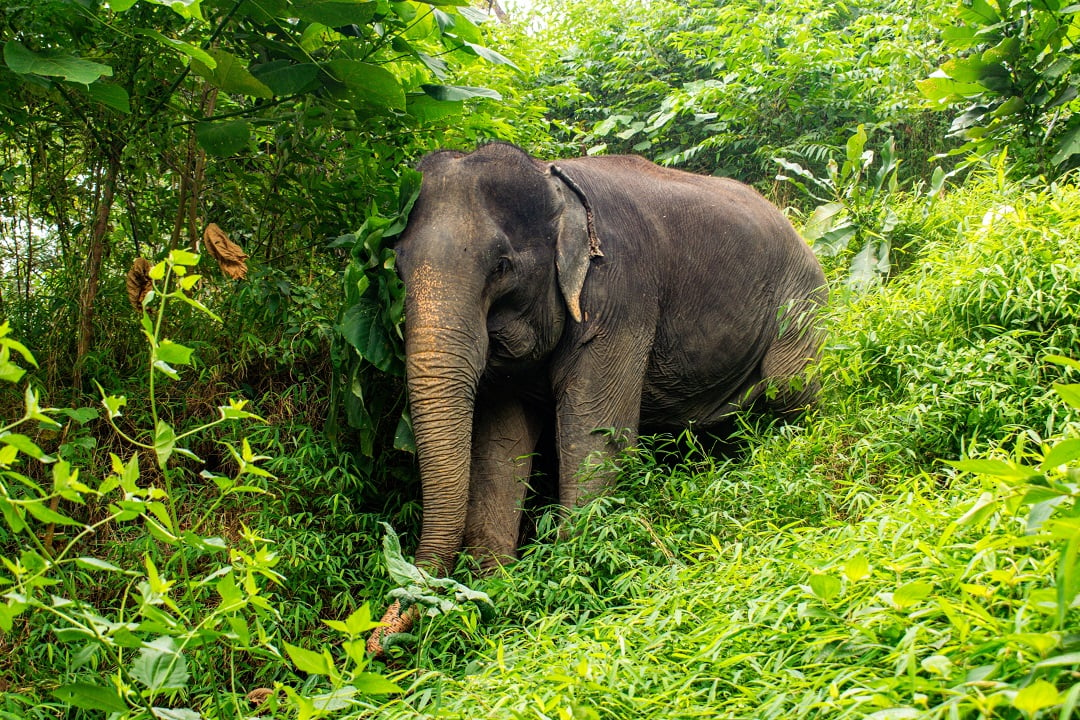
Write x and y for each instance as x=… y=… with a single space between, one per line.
x=1014 y=80
x=370 y=86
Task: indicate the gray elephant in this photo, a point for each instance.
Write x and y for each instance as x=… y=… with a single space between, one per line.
x=598 y=293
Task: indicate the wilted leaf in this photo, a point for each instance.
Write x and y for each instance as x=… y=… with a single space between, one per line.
x=139 y=283
x=230 y=256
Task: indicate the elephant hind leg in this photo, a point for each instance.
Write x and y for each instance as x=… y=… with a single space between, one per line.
x=505 y=434
x=787 y=385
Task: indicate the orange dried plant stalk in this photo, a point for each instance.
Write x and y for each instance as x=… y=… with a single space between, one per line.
x=396 y=622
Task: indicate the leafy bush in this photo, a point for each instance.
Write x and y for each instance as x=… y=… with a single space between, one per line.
x=168 y=629
x=722 y=89
x=1015 y=78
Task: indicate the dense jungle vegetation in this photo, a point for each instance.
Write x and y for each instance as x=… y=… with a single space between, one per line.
x=205 y=444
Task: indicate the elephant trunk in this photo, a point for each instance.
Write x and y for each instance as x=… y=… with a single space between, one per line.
x=445 y=353
x=443 y=372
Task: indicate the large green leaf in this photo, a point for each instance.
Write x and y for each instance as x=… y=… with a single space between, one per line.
x=286 y=78
x=427 y=109
x=1068 y=145
x=164 y=442
x=942 y=88
x=231 y=75
x=361 y=327
x=70 y=68
x=369 y=84
x=91 y=697
x=375 y=684
x=491 y=55
x=335 y=13
x=185 y=48
x=309 y=661
x=222 y=139
x=110 y=95
x=453 y=93
x=160 y=666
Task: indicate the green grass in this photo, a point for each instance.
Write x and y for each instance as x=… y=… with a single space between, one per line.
x=835 y=567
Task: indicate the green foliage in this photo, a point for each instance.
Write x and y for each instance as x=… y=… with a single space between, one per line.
x=1014 y=80
x=372 y=318
x=191 y=600
x=723 y=88
x=167 y=560
x=856 y=207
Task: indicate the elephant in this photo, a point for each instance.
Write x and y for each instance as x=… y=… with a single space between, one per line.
x=596 y=293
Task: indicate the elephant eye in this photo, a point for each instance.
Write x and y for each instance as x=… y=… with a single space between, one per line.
x=502 y=266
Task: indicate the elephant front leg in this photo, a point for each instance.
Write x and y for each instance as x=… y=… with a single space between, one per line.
x=505 y=434
x=597 y=413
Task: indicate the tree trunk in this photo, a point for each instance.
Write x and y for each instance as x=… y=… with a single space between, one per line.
x=94 y=258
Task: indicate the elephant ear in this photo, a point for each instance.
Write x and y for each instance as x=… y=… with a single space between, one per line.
x=576 y=244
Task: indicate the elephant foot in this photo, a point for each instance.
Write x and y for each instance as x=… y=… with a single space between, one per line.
x=394 y=621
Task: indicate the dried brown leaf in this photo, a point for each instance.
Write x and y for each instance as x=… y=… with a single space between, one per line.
x=229 y=255
x=259 y=695
x=138 y=282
